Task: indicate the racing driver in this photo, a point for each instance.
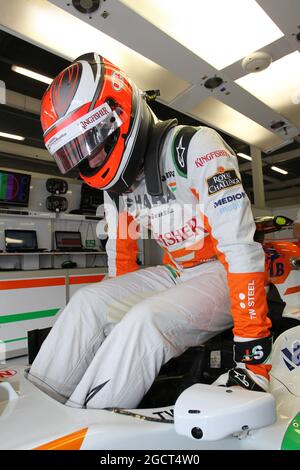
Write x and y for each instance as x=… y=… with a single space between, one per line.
x=183 y=184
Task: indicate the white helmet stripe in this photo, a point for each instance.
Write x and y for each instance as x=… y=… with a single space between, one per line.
x=87 y=85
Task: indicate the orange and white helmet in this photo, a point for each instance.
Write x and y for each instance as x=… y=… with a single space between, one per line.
x=95 y=118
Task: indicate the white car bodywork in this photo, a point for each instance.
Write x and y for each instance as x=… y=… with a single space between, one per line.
x=30 y=419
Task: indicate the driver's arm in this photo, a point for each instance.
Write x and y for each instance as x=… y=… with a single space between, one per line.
x=121 y=248
x=214 y=176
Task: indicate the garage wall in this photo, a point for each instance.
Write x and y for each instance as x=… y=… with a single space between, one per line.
x=39 y=193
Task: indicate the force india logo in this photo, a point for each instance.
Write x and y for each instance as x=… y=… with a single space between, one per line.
x=292 y=358
x=223 y=180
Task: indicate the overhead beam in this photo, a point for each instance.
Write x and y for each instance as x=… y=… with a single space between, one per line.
x=257 y=177
x=283 y=157
x=270 y=179
x=284 y=193
x=277 y=185
x=23 y=102
x=31 y=165
x=271 y=159
x=17 y=162
x=284 y=184
x=266 y=178
x=12 y=149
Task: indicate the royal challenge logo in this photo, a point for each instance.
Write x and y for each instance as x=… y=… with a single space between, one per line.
x=224 y=179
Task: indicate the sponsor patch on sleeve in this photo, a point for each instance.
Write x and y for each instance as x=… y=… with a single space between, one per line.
x=224 y=179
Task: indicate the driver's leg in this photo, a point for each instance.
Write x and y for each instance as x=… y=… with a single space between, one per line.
x=152 y=332
x=84 y=324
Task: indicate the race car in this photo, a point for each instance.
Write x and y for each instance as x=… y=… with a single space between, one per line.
x=183 y=409
x=203 y=416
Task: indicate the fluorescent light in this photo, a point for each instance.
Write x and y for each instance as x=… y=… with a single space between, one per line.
x=11 y=136
x=31 y=74
x=217 y=31
x=278 y=86
x=279 y=170
x=36 y=19
x=243 y=155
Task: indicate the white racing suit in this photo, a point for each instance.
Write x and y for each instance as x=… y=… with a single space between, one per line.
x=109 y=343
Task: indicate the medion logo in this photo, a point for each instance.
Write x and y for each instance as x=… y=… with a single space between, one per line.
x=94 y=117
x=227 y=199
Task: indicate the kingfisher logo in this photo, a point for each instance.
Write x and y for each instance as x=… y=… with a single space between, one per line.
x=94 y=117
x=201 y=161
x=292 y=358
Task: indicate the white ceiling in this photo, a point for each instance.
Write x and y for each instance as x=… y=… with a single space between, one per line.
x=172 y=50
x=176 y=51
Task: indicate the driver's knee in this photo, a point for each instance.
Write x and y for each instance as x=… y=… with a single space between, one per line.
x=84 y=304
x=144 y=315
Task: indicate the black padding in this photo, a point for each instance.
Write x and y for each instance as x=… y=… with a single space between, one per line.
x=56 y=204
x=156 y=139
x=275 y=309
x=35 y=340
x=253 y=352
x=180 y=148
x=56 y=186
x=241 y=377
x=138 y=150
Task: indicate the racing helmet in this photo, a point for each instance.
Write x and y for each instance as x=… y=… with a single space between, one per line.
x=95 y=118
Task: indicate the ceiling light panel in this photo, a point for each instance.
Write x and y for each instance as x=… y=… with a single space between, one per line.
x=217 y=31
x=31 y=74
x=229 y=120
x=243 y=155
x=11 y=136
x=279 y=170
x=278 y=86
x=36 y=19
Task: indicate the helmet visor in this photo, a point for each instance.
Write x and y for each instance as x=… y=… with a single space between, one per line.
x=85 y=138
